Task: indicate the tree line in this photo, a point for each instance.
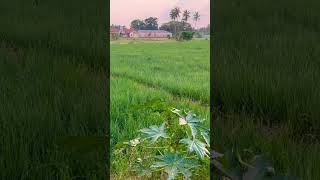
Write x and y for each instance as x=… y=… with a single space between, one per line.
x=176 y=24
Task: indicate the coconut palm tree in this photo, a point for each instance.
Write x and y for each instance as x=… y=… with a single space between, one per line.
x=196 y=18
x=174 y=15
x=177 y=11
x=185 y=16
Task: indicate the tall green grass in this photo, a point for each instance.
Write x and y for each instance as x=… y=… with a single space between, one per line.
x=266 y=61
x=266 y=81
x=73 y=27
x=126 y=120
x=181 y=68
x=289 y=157
x=55 y=87
x=175 y=73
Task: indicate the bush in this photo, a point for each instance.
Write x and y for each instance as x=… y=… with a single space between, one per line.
x=185 y=35
x=178 y=148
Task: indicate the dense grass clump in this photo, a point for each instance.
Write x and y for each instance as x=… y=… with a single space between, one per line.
x=53 y=84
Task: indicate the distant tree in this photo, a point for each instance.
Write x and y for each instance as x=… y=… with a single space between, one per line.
x=115 y=26
x=196 y=18
x=177 y=12
x=172 y=25
x=137 y=24
x=204 y=30
x=174 y=15
x=185 y=17
x=151 y=23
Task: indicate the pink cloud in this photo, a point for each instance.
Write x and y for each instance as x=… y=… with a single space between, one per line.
x=124 y=11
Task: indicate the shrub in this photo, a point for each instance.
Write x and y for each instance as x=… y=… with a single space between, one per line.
x=176 y=148
x=185 y=35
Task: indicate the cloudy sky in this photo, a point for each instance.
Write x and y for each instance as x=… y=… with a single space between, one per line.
x=124 y=11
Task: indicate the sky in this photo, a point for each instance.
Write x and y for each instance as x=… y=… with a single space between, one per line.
x=122 y=12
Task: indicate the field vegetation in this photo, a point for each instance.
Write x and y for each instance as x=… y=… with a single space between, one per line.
x=266 y=81
x=174 y=74
x=53 y=84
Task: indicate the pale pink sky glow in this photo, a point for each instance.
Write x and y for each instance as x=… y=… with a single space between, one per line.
x=122 y=12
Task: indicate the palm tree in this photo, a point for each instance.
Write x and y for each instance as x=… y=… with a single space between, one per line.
x=178 y=11
x=185 y=16
x=196 y=18
x=174 y=15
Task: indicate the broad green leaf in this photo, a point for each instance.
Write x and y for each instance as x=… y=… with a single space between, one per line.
x=192 y=122
x=194 y=145
x=154 y=133
x=172 y=172
x=174 y=163
x=205 y=134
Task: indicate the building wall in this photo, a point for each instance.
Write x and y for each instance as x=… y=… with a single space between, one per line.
x=150 y=35
x=154 y=35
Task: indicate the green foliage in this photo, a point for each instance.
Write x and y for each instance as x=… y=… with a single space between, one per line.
x=149 y=64
x=137 y=24
x=154 y=133
x=144 y=73
x=173 y=164
x=195 y=145
x=185 y=15
x=178 y=156
x=53 y=84
x=150 y=23
x=175 y=13
x=185 y=35
x=173 y=25
x=266 y=67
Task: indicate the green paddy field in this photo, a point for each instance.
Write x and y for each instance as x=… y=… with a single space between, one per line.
x=53 y=84
x=179 y=74
x=176 y=73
